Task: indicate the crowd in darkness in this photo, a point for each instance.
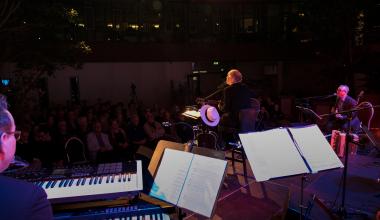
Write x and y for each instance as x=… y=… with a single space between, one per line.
x=109 y=132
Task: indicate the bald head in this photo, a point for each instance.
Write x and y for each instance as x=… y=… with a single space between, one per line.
x=233 y=76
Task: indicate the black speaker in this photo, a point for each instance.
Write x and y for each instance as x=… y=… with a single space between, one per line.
x=74 y=89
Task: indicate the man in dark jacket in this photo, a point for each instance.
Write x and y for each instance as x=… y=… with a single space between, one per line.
x=236 y=96
x=19 y=199
x=343 y=103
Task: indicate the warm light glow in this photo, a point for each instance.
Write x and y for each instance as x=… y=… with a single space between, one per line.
x=117 y=26
x=72 y=12
x=301 y=14
x=80 y=25
x=110 y=25
x=215 y=63
x=84 y=47
x=134 y=26
x=203 y=71
x=157 y=26
x=306 y=40
x=177 y=25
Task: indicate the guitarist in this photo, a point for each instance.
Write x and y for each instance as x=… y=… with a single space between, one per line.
x=340 y=121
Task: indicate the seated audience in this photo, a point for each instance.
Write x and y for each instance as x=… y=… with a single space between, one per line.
x=118 y=140
x=98 y=144
x=135 y=132
x=153 y=130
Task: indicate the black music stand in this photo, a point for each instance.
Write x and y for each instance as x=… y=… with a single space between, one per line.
x=342 y=209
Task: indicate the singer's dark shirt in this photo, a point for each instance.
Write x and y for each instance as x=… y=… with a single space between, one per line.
x=236 y=97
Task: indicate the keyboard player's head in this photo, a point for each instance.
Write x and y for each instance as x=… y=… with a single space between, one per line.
x=8 y=135
x=19 y=199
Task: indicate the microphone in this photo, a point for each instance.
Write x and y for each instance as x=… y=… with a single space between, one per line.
x=361 y=93
x=332 y=95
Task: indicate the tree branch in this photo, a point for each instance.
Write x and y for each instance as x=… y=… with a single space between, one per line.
x=6 y=14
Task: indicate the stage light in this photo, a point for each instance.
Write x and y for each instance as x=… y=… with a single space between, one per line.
x=5 y=82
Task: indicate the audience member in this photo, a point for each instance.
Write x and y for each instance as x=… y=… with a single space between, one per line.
x=135 y=133
x=153 y=130
x=98 y=144
x=118 y=140
x=24 y=148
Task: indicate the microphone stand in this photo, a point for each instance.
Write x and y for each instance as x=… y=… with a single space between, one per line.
x=319 y=97
x=214 y=93
x=305 y=103
x=342 y=212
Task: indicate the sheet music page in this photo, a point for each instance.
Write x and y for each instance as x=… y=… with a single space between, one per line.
x=315 y=148
x=272 y=154
x=202 y=184
x=171 y=175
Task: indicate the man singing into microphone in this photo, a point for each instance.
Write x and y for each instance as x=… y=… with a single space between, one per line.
x=343 y=103
x=236 y=96
x=19 y=199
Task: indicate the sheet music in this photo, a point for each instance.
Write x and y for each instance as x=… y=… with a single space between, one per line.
x=202 y=184
x=171 y=175
x=189 y=181
x=192 y=114
x=315 y=148
x=272 y=154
